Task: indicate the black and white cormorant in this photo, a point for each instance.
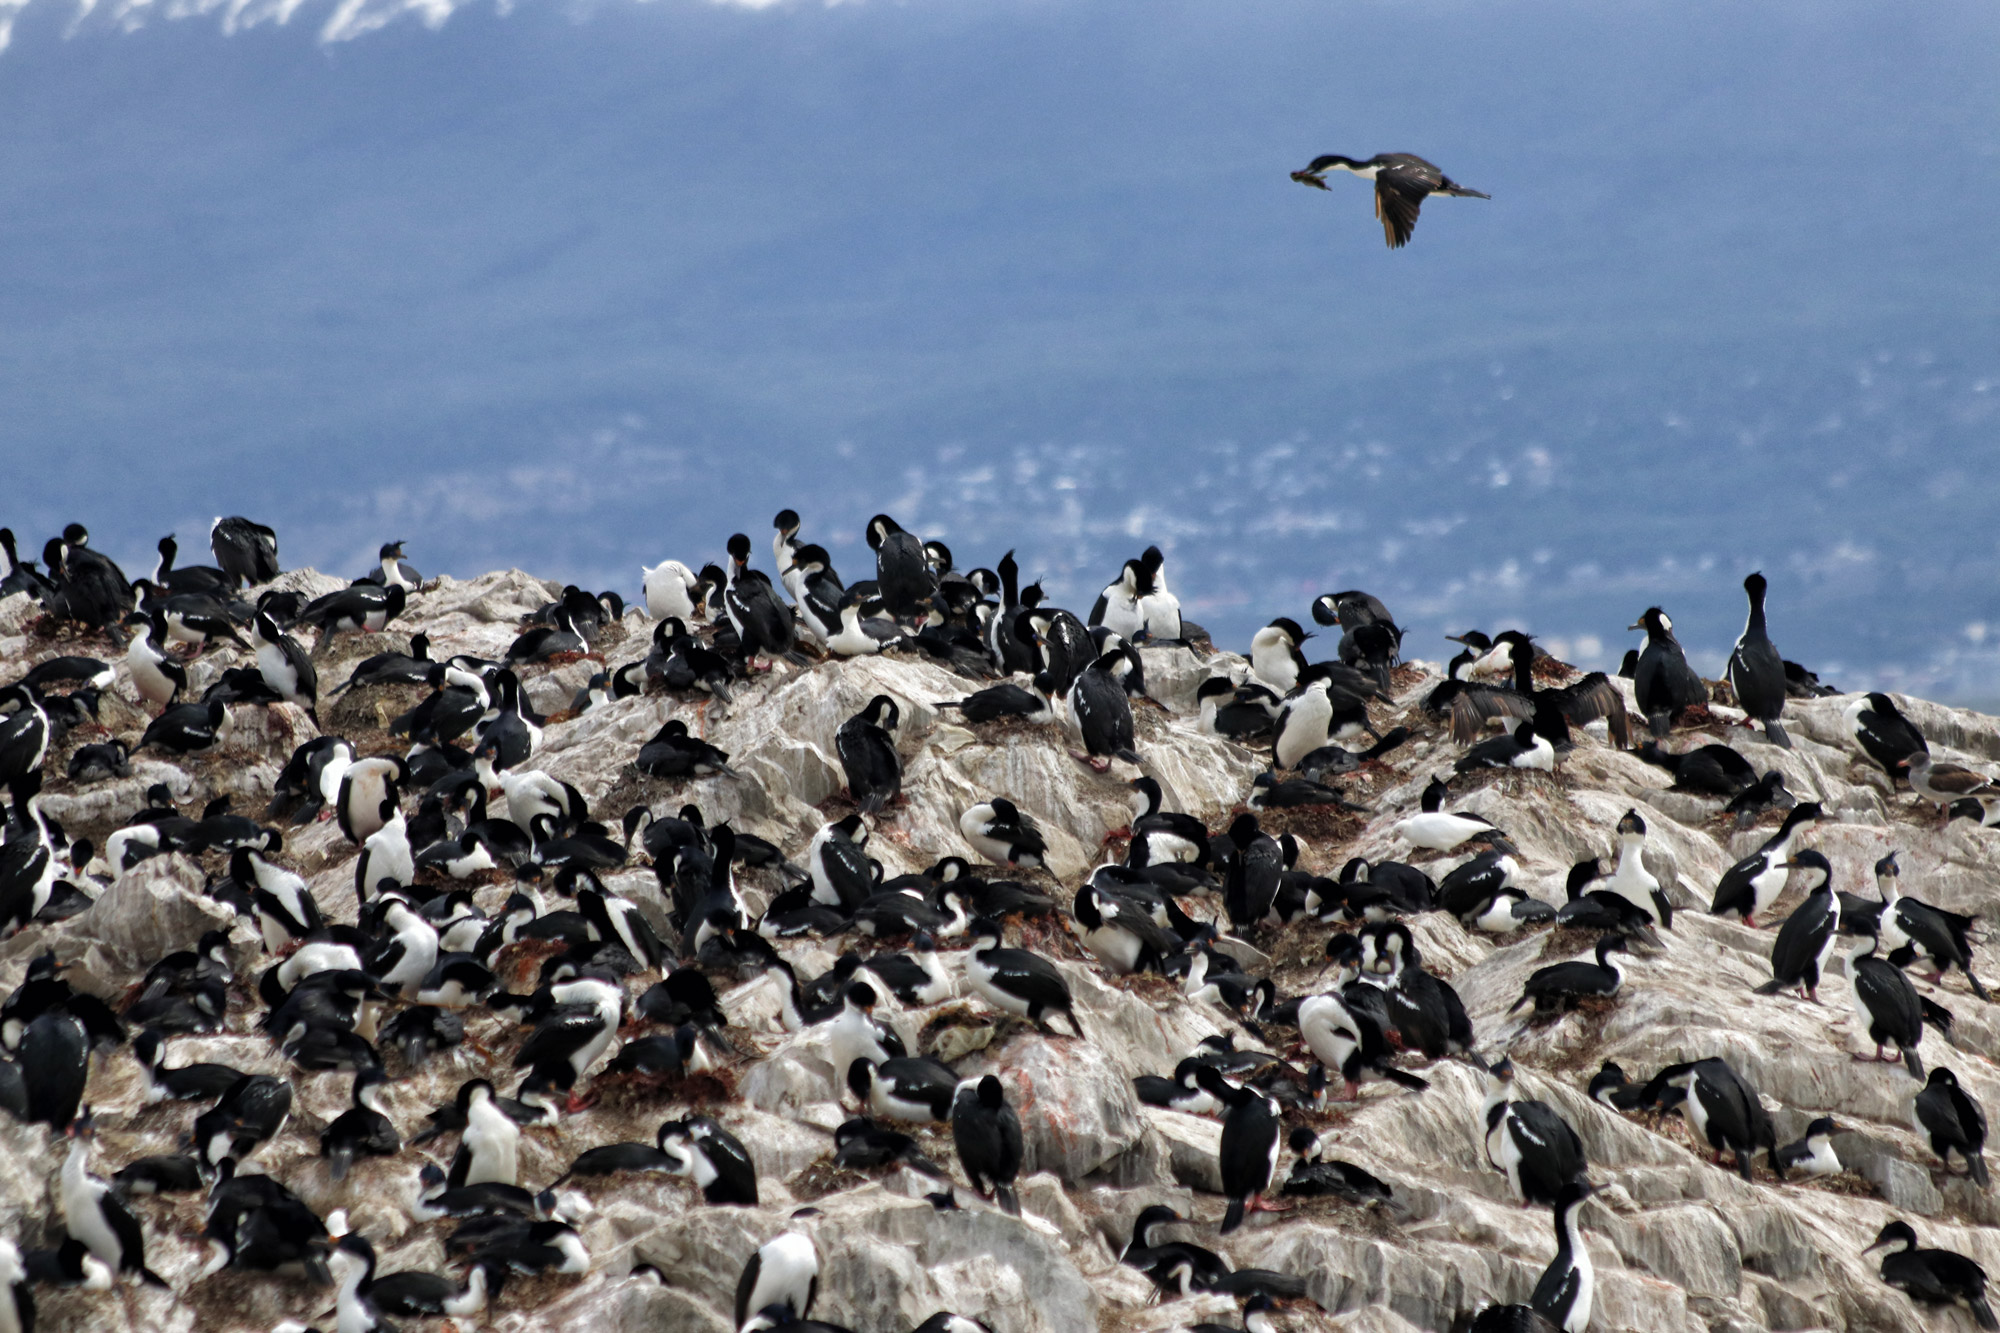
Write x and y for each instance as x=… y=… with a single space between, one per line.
x=1664 y=684
x=362 y=1130
x=783 y=1272
x=717 y=1162
x=1805 y=940
x=1402 y=182
x=1248 y=1154
x=1101 y=713
x=903 y=574
x=856 y=1034
x=1954 y=1122
x=244 y=549
x=998 y=831
x=1168 y=835
x=861 y=1144
x=285 y=666
x=673 y=753
x=1609 y=1087
x=1813 y=1154
x=1719 y=1106
x=1756 y=672
x=617 y=1158
x=366 y=607
x=1553 y=711
x=369 y=794
x=868 y=755
x=1560 y=985
x=1529 y=1142
x=194 y=1082
x=1318 y=711
x=185 y=728
x=1350 y=1042
x=1883 y=733
x=672 y=591
x=489 y=1146
x=1933 y=1277
x=1568 y=1286
x=1590 y=906
x=94 y=1214
x=1887 y=1004
x=1315 y=1175
x=1029 y=703
x=1253 y=870
x=1015 y=980
x=1748 y=888
x=987 y=1133
x=914 y=1089
x=1180 y=1093
x=1523 y=747
x=1711 y=770
x=1436 y=828
x=1481 y=892
x=1120 y=931
x=1914 y=931
x=157 y=675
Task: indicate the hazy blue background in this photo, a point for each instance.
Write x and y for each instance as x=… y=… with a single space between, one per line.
x=580 y=287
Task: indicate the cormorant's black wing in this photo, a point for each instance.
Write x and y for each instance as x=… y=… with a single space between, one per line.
x=1396 y=205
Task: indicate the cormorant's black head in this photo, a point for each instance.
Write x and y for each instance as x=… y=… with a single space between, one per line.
x=1804 y=813
x=1291 y=629
x=786 y=522
x=1151 y=1216
x=1654 y=621
x=880 y=529
x=1886 y=868
x=1897 y=1234
x=739 y=549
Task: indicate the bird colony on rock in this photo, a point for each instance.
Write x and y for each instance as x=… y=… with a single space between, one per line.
x=518 y=977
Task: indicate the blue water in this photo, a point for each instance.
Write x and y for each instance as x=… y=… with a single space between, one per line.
x=577 y=288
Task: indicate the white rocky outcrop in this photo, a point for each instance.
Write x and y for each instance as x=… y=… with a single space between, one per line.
x=1679 y=1244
